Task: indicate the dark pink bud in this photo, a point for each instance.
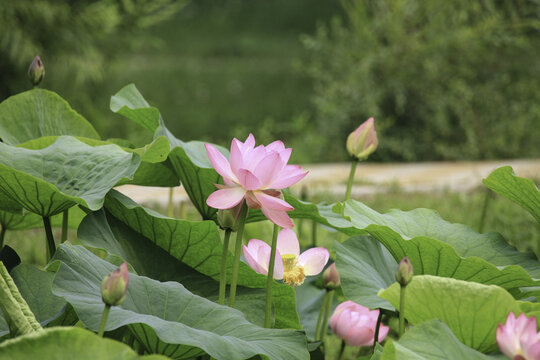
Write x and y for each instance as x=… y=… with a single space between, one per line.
x=114 y=286
x=36 y=71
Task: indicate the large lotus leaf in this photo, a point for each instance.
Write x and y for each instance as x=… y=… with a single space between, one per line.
x=69 y=172
x=365 y=267
x=102 y=230
x=130 y=103
x=36 y=113
x=183 y=321
x=432 y=340
x=520 y=190
x=471 y=310
x=198 y=245
x=68 y=344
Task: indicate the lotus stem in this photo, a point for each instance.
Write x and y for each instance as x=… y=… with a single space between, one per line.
x=402 y=310
x=223 y=277
x=170 y=207
x=354 y=162
x=2 y=236
x=270 y=279
x=183 y=214
x=237 y=252
x=319 y=318
x=50 y=238
x=314 y=233
x=327 y=313
x=377 y=327
x=484 y=211
x=65 y=220
x=341 y=350
x=104 y=319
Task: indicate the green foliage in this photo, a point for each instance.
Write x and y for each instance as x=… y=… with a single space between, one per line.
x=443 y=79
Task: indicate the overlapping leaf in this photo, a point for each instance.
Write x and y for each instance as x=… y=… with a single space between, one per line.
x=183 y=322
x=520 y=190
x=69 y=172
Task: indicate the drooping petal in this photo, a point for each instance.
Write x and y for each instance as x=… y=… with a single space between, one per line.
x=252 y=259
x=220 y=163
x=263 y=259
x=290 y=175
x=278 y=217
x=269 y=168
x=272 y=202
x=287 y=243
x=313 y=260
x=248 y=180
x=226 y=198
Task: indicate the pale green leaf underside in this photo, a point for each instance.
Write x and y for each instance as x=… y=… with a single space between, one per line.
x=169 y=311
x=68 y=172
x=37 y=113
x=520 y=190
x=130 y=103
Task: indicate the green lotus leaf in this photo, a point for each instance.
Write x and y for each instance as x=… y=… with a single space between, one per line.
x=198 y=245
x=471 y=310
x=432 y=340
x=37 y=113
x=520 y=190
x=130 y=103
x=67 y=173
x=67 y=344
x=28 y=220
x=184 y=323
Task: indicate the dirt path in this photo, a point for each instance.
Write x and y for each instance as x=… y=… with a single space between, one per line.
x=370 y=178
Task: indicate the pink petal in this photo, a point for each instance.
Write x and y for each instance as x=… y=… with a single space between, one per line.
x=313 y=260
x=269 y=168
x=359 y=335
x=226 y=198
x=276 y=146
x=264 y=261
x=252 y=157
x=248 y=180
x=287 y=243
x=220 y=163
x=278 y=217
x=236 y=157
x=252 y=259
x=272 y=202
x=250 y=142
x=252 y=201
x=383 y=331
x=343 y=324
x=290 y=175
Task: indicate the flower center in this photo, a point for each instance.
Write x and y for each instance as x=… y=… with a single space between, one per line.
x=293 y=274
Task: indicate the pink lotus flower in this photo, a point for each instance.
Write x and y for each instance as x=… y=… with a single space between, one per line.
x=518 y=338
x=363 y=141
x=255 y=174
x=290 y=265
x=355 y=324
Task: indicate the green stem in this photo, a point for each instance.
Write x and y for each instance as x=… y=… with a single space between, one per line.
x=270 y=279
x=341 y=350
x=2 y=236
x=402 y=311
x=183 y=214
x=327 y=313
x=377 y=328
x=223 y=277
x=104 y=319
x=319 y=319
x=65 y=220
x=484 y=211
x=170 y=208
x=303 y=197
x=50 y=238
x=314 y=233
x=237 y=252
x=354 y=162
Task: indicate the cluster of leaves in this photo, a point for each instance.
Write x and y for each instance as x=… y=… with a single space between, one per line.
x=52 y=160
x=426 y=71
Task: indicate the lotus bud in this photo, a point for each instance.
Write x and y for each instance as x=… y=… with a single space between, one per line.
x=363 y=141
x=114 y=286
x=229 y=218
x=404 y=273
x=331 y=277
x=36 y=71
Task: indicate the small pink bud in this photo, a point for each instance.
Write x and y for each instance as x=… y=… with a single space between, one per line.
x=331 y=278
x=36 y=71
x=404 y=273
x=355 y=324
x=363 y=141
x=114 y=286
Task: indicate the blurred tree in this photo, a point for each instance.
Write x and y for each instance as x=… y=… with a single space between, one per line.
x=444 y=79
x=76 y=37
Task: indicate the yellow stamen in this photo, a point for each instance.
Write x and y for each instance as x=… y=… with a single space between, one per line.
x=293 y=274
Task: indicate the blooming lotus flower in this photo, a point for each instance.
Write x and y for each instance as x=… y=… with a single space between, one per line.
x=518 y=338
x=290 y=265
x=255 y=174
x=355 y=324
x=363 y=141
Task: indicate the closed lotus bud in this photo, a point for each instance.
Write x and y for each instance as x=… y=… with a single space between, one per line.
x=363 y=141
x=228 y=219
x=114 y=286
x=404 y=273
x=36 y=71
x=331 y=277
